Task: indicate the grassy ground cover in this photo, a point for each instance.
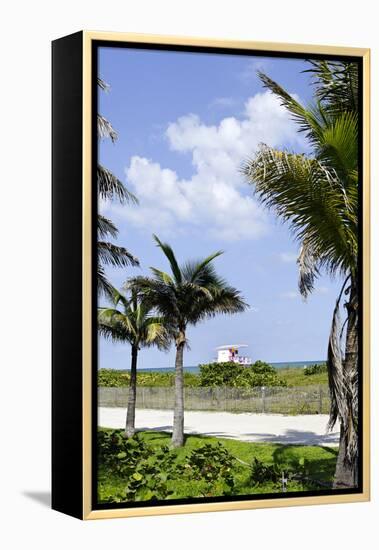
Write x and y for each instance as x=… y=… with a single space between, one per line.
x=119 y=378
x=110 y=378
x=234 y=477
x=297 y=377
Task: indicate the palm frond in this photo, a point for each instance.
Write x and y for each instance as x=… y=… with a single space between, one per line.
x=227 y=300
x=308 y=269
x=116 y=318
x=104 y=287
x=157 y=333
x=110 y=187
x=106 y=227
x=202 y=273
x=118 y=297
x=338 y=145
x=102 y=84
x=336 y=84
x=195 y=293
x=156 y=294
x=307 y=119
x=312 y=199
x=193 y=270
x=169 y=253
x=118 y=256
x=162 y=276
x=105 y=129
x=134 y=323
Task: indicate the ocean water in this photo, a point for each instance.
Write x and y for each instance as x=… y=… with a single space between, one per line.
x=282 y=365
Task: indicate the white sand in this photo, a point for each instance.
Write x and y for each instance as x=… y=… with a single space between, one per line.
x=274 y=428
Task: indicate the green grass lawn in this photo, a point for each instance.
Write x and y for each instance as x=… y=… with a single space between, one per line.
x=118 y=378
x=319 y=463
x=296 y=377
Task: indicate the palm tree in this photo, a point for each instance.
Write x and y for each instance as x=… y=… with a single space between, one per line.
x=110 y=188
x=132 y=323
x=191 y=293
x=317 y=195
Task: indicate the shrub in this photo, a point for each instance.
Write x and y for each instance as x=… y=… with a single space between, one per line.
x=261 y=473
x=315 y=369
x=145 y=471
x=211 y=464
x=293 y=468
x=112 y=378
x=238 y=376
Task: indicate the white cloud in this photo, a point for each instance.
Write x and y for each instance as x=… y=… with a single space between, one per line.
x=288 y=257
x=214 y=200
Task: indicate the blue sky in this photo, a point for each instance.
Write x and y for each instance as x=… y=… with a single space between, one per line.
x=185 y=123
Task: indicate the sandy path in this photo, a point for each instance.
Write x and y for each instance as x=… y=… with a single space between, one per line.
x=274 y=428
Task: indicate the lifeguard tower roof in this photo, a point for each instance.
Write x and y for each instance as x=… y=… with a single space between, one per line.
x=229 y=346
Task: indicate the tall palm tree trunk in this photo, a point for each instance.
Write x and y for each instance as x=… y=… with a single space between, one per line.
x=178 y=426
x=131 y=412
x=346 y=474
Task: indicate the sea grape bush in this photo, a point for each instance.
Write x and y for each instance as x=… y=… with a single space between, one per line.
x=315 y=369
x=261 y=472
x=111 y=378
x=211 y=375
x=144 y=470
x=210 y=464
x=118 y=454
x=234 y=375
x=293 y=470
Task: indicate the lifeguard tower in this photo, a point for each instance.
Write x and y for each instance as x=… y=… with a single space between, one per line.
x=230 y=354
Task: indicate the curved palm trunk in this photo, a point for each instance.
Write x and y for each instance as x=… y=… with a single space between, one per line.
x=131 y=412
x=346 y=474
x=178 y=426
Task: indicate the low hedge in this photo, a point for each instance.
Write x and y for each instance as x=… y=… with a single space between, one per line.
x=234 y=375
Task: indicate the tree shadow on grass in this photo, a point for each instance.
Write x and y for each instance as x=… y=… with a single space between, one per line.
x=290 y=437
x=297 y=437
x=318 y=467
x=162 y=433
x=162 y=429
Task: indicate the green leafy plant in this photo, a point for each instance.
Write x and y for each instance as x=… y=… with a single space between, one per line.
x=315 y=369
x=144 y=470
x=234 y=375
x=210 y=464
x=112 y=378
x=262 y=473
x=120 y=455
x=293 y=469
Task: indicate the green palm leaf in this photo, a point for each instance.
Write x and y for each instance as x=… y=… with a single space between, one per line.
x=106 y=227
x=117 y=256
x=110 y=187
x=169 y=253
